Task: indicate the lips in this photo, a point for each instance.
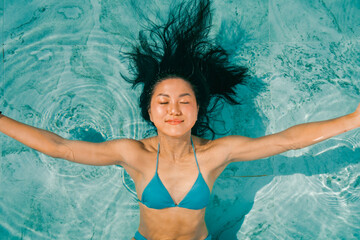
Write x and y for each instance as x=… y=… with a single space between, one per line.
x=174 y=121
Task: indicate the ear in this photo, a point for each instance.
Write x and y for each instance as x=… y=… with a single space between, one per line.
x=149 y=112
x=197 y=114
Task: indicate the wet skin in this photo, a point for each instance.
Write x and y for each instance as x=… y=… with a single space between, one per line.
x=173 y=110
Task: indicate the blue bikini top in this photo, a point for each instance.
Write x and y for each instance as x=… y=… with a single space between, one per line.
x=156 y=196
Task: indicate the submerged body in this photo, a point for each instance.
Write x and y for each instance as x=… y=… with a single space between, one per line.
x=177 y=165
x=172 y=160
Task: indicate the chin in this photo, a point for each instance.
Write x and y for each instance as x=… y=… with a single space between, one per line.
x=176 y=133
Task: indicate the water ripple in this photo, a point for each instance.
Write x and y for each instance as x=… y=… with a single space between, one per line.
x=62 y=73
x=327 y=197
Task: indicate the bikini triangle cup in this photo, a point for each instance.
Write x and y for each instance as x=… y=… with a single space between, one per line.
x=156 y=196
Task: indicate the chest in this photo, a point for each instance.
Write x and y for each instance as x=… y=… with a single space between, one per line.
x=177 y=190
x=178 y=181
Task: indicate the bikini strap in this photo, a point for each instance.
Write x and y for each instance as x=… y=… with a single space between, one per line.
x=157 y=157
x=193 y=147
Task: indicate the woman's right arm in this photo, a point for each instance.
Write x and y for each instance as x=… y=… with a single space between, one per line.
x=106 y=153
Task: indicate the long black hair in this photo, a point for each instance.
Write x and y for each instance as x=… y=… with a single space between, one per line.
x=181 y=48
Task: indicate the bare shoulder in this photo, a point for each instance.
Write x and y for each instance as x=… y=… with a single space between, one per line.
x=221 y=144
x=210 y=151
x=149 y=144
x=213 y=155
x=144 y=144
x=123 y=145
x=218 y=151
x=143 y=149
x=134 y=153
x=201 y=143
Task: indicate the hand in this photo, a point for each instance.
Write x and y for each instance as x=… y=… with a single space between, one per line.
x=356 y=115
x=357 y=111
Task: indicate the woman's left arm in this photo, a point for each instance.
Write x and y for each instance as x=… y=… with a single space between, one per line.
x=240 y=148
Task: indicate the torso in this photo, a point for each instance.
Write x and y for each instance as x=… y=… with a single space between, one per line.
x=178 y=178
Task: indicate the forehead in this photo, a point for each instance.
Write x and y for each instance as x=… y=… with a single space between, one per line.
x=173 y=86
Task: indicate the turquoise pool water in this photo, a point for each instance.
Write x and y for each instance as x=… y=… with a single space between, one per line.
x=60 y=71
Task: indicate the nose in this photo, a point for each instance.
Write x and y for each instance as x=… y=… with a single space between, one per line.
x=174 y=109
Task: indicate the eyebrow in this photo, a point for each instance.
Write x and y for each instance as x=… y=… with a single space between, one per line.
x=166 y=95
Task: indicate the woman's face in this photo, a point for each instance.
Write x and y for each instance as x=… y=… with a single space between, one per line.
x=173 y=107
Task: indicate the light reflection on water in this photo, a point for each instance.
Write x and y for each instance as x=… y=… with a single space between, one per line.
x=329 y=197
x=62 y=73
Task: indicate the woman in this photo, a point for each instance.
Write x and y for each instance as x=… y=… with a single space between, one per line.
x=183 y=74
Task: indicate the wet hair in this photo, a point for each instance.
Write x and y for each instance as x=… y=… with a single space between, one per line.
x=181 y=48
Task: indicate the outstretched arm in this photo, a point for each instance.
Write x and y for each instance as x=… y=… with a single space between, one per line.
x=245 y=149
x=106 y=153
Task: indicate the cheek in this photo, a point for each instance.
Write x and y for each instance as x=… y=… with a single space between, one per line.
x=156 y=111
x=191 y=111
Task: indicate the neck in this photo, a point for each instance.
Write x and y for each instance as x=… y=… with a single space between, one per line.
x=175 y=148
